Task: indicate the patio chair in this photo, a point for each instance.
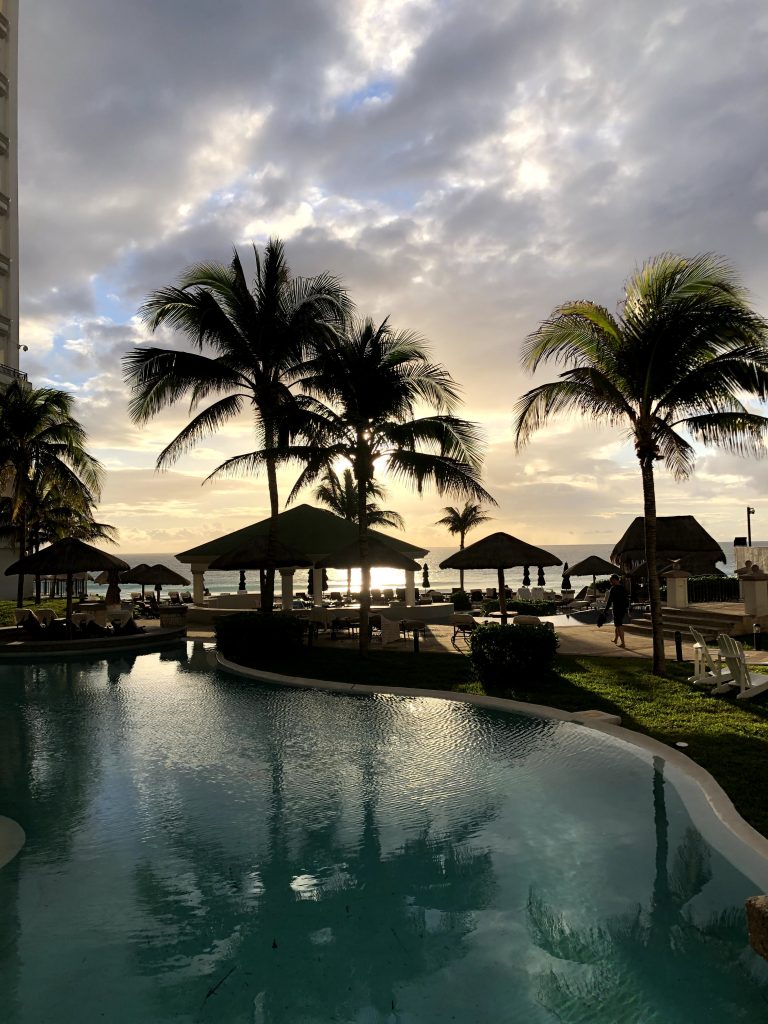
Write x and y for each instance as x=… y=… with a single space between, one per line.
x=523 y=594
x=491 y=594
x=537 y=594
x=706 y=672
x=186 y=597
x=750 y=684
x=174 y=598
x=389 y=595
x=476 y=596
x=400 y=593
x=377 y=597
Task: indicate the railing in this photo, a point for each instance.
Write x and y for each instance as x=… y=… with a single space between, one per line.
x=11 y=372
x=712 y=588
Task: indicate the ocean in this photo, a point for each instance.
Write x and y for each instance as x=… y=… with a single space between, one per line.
x=439 y=579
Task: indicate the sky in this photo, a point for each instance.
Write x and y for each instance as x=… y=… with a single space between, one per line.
x=463 y=167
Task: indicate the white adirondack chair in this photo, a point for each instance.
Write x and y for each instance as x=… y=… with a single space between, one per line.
x=707 y=672
x=749 y=683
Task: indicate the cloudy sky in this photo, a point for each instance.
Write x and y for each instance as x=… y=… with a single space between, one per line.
x=464 y=167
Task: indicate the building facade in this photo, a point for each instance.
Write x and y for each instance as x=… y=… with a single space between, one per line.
x=9 y=228
x=9 y=206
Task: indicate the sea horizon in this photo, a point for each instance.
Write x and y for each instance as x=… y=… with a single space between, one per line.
x=439 y=579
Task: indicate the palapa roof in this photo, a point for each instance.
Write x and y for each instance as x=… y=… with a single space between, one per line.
x=676 y=537
x=259 y=554
x=164 y=576
x=66 y=556
x=499 y=551
x=314 y=531
x=379 y=553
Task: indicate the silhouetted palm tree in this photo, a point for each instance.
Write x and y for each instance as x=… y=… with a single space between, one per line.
x=340 y=496
x=461 y=521
x=368 y=384
x=249 y=343
x=41 y=441
x=681 y=354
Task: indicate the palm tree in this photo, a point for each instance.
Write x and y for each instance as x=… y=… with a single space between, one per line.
x=340 y=496
x=248 y=342
x=461 y=521
x=41 y=440
x=367 y=385
x=683 y=350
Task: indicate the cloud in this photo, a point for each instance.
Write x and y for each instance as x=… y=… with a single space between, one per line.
x=462 y=167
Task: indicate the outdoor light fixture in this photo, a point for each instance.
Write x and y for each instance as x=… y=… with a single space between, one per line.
x=750 y=513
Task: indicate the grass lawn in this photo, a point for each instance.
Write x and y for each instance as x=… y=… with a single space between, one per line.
x=728 y=738
x=59 y=605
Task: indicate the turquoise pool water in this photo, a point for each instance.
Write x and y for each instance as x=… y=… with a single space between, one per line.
x=204 y=849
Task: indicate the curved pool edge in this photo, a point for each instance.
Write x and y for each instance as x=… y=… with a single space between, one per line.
x=12 y=839
x=715 y=800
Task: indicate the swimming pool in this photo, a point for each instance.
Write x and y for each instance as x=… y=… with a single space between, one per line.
x=200 y=848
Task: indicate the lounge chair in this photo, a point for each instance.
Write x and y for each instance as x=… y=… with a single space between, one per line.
x=174 y=597
x=537 y=594
x=377 y=597
x=28 y=623
x=476 y=596
x=389 y=595
x=706 y=672
x=400 y=593
x=491 y=594
x=523 y=594
x=750 y=684
x=462 y=623
x=186 y=597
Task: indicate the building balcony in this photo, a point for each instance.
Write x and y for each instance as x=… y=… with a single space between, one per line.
x=8 y=375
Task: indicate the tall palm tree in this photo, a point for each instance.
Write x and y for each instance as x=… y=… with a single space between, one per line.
x=340 y=496
x=248 y=343
x=680 y=355
x=461 y=521
x=367 y=385
x=41 y=439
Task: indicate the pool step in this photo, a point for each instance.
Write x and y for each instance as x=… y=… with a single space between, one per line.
x=709 y=623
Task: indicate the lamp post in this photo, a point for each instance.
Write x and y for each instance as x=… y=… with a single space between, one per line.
x=750 y=513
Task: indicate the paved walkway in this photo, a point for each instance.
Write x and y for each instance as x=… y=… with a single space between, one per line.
x=581 y=639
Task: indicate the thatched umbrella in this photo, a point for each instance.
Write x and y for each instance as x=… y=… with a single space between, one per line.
x=138 y=575
x=500 y=551
x=69 y=556
x=162 y=575
x=593 y=566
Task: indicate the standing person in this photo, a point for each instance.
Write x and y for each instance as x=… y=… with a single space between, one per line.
x=618 y=600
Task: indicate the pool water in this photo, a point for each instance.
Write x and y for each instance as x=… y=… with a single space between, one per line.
x=201 y=848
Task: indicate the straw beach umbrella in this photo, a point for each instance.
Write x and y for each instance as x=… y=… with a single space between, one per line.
x=593 y=566
x=161 y=575
x=500 y=551
x=69 y=556
x=138 y=575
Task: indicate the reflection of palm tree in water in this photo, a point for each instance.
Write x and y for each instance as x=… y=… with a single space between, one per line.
x=658 y=965
x=350 y=926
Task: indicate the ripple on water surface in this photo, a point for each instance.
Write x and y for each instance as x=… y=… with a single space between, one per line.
x=200 y=848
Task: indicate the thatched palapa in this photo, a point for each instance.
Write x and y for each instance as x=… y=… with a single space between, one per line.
x=379 y=553
x=676 y=537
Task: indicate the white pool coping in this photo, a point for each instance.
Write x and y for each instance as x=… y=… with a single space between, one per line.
x=12 y=838
x=706 y=801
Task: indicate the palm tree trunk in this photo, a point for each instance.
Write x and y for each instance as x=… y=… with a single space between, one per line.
x=22 y=552
x=268 y=593
x=654 y=596
x=361 y=470
x=461 y=571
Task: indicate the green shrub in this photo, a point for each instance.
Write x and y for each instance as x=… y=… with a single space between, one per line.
x=523 y=607
x=461 y=601
x=242 y=634
x=505 y=656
